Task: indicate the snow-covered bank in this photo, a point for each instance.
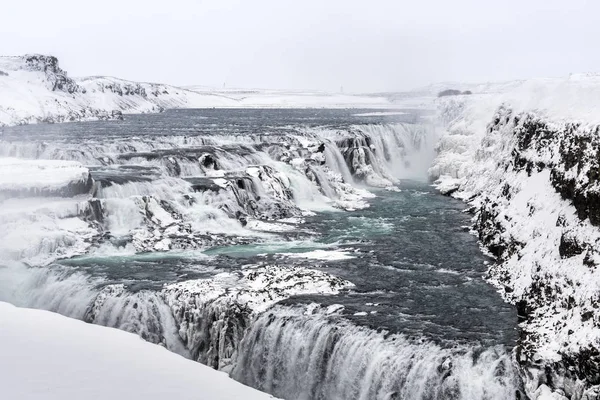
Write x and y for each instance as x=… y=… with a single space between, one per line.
x=526 y=158
x=48 y=356
x=25 y=178
x=33 y=88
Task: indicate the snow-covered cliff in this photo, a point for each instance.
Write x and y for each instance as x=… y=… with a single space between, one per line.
x=527 y=158
x=33 y=88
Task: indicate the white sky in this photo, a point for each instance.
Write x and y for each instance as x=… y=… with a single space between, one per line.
x=376 y=45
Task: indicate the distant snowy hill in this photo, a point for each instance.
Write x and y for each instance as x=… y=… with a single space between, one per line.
x=33 y=88
x=261 y=98
x=48 y=356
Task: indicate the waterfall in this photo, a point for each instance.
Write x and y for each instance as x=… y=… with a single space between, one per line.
x=156 y=194
x=305 y=353
x=170 y=192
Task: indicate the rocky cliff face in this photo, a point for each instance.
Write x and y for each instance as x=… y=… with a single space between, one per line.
x=56 y=78
x=533 y=185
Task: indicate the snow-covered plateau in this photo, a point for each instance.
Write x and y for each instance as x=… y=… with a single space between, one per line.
x=526 y=157
x=33 y=88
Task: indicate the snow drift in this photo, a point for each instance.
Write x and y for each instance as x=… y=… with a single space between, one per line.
x=75 y=360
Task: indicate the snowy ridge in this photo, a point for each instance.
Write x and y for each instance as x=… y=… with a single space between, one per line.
x=261 y=98
x=33 y=88
x=526 y=160
x=24 y=178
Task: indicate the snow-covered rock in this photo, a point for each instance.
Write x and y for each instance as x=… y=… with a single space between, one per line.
x=48 y=356
x=213 y=314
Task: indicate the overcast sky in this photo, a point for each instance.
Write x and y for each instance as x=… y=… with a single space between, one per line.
x=376 y=45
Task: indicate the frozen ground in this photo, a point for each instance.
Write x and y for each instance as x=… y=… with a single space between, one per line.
x=40 y=175
x=261 y=98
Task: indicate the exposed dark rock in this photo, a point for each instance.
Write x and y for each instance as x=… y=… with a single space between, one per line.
x=209 y=161
x=57 y=77
x=569 y=246
x=124 y=88
x=94 y=211
x=449 y=92
x=575 y=174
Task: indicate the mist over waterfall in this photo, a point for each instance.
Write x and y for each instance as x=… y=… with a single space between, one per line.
x=304 y=253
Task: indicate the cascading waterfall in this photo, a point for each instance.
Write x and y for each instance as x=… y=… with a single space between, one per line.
x=181 y=193
x=156 y=316
x=305 y=353
x=168 y=192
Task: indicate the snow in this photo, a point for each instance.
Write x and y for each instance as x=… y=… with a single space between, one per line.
x=265 y=98
x=253 y=171
x=221 y=182
x=48 y=356
x=380 y=114
x=262 y=226
x=545 y=393
x=575 y=97
x=258 y=288
x=55 y=231
x=393 y=189
x=40 y=175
